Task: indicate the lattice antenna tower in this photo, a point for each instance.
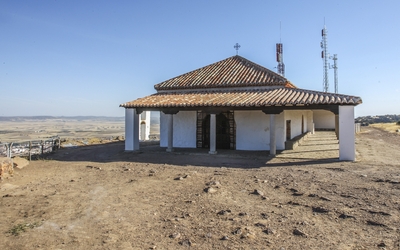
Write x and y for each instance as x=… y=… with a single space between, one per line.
x=325 y=57
x=335 y=71
x=279 y=55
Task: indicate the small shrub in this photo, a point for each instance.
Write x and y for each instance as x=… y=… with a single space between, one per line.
x=17 y=229
x=398 y=123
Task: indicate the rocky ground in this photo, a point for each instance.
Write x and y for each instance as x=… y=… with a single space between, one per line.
x=99 y=197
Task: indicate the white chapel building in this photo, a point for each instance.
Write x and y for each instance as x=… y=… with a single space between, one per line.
x=237 y=104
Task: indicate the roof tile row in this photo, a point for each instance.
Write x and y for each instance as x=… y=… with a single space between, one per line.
x=242 y=98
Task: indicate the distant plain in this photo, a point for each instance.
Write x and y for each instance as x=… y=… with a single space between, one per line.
x=21 y=129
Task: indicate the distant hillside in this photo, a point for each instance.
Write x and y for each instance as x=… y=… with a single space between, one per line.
x=155 y=118
x=79 y=118
x=366 y=120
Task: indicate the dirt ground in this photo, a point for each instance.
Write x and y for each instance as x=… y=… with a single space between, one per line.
x=100 y=197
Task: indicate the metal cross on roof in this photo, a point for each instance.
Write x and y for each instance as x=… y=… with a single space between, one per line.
x=237 y=47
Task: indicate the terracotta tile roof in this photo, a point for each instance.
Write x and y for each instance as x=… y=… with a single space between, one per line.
x=234 y=71
x=242 y=98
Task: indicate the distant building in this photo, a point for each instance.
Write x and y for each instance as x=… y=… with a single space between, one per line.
x=144 y=128
x=237 y=104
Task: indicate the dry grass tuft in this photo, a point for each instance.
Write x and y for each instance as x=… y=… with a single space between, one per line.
x=390 y=127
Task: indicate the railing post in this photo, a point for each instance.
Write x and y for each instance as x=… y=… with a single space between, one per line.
x=30 y=149
x=10 y=149
x=6 y=149
x=41 y=145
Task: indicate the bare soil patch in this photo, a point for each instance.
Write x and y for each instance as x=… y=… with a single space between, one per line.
x=100 y=197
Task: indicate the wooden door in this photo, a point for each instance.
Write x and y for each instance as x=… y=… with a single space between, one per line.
x=288 y=130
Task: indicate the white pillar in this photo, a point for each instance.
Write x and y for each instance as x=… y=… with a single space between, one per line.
x=310 y=122
x=347 y=149
x=170 y=132
x=272 y=135
x=131 y=130
x=213 y=134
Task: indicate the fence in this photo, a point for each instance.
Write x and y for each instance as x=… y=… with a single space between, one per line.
x=29 y=148
x=357 y=127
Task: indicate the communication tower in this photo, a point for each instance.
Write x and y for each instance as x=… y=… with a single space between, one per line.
x=279 y=55
x=325 y=57
x=279 y=59
x=335 y=71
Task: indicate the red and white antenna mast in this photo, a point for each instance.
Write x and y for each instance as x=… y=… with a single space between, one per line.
x=325 y=57
x=279 y=55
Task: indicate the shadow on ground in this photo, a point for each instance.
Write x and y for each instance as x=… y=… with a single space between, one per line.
x=151 y=152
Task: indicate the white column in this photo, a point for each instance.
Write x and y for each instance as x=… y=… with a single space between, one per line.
x=135 y=131
x=310 y=122
x=272 y=135
x=170 y=133
x=213 y=134
x=131 y=130
x=347 y=149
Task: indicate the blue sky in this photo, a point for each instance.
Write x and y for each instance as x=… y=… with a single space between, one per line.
x=67 y=58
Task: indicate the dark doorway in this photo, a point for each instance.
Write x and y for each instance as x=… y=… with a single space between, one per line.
x=288 y=130
x=225 y=130
x=302 y=124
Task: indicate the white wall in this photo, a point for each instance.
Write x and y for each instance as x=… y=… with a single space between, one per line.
x=324 y=119
x=252 y=130
x=163 y=130
x=310 y=121
x=184 y=129
x=295 y=116
x=280 y=131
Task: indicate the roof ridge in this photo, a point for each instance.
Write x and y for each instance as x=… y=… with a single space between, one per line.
x=234 y=71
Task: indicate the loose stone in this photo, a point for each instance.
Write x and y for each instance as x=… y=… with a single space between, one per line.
x=320 y=210
x=186 y=242
x=269 y=231
x=223 y=212
x=258 y=192
x=175 y=236
x=299 y=233
x=210 y=190
x=237 y=231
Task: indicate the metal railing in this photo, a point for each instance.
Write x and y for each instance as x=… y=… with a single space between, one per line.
x=29 y=148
